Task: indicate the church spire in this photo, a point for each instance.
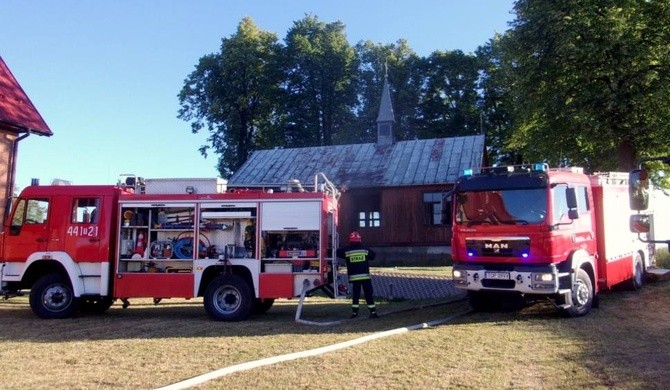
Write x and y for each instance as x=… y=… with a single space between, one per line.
x=385 y=119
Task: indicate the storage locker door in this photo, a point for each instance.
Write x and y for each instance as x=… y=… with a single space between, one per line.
x=291 y=215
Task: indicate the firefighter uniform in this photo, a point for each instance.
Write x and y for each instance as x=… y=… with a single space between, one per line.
x=357 y=258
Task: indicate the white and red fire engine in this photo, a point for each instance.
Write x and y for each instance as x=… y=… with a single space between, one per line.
x=534 y=233
x=82 y=247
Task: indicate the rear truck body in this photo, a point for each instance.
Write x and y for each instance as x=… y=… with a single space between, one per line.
x=80 y=248
x=526 y=233
x=641 y=192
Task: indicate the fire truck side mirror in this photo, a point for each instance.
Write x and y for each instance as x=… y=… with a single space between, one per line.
x=640 y=223
x=638 y=189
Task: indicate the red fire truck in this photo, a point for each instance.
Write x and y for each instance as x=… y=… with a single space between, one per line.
x=80 y=248
x=529 y=233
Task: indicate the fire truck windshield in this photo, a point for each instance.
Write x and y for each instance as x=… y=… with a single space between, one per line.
x=509 y=206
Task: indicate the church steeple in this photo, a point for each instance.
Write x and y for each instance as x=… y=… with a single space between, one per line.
x=385 y=119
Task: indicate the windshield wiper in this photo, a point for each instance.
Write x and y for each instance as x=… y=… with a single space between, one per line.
x=479 y=222
x=514 y=221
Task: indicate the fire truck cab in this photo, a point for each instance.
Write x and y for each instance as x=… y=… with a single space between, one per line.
x=534 y=233
x=80 y=248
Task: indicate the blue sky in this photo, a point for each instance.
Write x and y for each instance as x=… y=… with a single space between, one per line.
x=105 y=74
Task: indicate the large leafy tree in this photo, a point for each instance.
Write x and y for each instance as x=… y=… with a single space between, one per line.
x=401 y=65
x=319 y=67
x=591 y=80
x=496 y=100
x=316 y=89
x=233 y=93
x=449 y=98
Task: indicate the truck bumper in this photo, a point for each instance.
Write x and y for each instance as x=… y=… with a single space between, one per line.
x=542 y=279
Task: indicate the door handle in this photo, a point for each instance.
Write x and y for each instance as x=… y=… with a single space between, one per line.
x=41 y=239
x=93 y=240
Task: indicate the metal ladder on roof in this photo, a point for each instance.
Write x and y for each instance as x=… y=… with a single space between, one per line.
x=326 y=186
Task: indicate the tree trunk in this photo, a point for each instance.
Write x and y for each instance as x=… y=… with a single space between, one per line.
x=626 y=156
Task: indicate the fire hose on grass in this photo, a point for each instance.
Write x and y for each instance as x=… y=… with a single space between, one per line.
x=305 y=288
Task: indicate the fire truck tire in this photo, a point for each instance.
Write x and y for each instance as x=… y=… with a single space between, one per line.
x=262 y=305
x=52 y=297
x=582 y=295
x=228 y=298
x=637 y=281
x=484 y=301
x=97 y=305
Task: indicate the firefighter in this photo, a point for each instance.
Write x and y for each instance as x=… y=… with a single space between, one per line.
x=358 y=270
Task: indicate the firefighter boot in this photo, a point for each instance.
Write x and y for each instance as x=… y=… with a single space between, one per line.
x=373 y=312
x=354 y=312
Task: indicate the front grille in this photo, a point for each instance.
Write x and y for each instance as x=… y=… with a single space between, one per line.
x=498 y=248
x=492 y=283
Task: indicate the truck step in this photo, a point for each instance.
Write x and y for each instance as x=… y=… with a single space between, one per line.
x=658 y=273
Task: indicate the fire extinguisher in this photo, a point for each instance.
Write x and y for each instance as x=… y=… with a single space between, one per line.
x=139 y=246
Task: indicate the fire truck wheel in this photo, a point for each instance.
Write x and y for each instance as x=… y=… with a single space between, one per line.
x=637 y=281
x=52 y=297
x=262 y=305
x=228 y=298
x=582 y=295
x=96 y=305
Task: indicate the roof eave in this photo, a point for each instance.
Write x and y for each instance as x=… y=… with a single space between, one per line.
x=19 y=129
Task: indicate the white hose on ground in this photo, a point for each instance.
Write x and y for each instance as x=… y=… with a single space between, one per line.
x=305 y=288
x=303 y=354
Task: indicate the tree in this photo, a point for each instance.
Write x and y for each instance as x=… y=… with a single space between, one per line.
x=233 y=95
x=319 y=69
x=449 y=98
x=591 y=80
x=496 y=100
x=404 y=72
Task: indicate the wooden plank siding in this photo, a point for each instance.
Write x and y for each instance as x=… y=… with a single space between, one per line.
x=7 y=170
x=402 y=216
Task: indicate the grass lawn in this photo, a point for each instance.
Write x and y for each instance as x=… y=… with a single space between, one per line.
x=623 y=345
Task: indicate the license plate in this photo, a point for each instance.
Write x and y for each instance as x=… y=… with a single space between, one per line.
x=497 y=275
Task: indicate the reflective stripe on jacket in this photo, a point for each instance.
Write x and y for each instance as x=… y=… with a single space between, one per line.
x=357 y=258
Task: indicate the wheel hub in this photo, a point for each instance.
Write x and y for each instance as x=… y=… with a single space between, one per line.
x=229 y=299
x=581 y=294
x=56 y=298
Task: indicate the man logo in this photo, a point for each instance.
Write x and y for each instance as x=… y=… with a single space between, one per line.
x=496 y=246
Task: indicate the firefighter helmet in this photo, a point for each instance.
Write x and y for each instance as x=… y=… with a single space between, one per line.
x=355 y=237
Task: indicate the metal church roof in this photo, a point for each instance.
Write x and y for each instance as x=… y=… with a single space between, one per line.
x=16 y=110
x=404 y=163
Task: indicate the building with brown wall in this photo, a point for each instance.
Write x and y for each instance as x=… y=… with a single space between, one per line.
x=18 y=119
x=392 y=190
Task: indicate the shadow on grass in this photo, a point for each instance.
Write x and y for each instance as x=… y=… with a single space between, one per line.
x=178 y=318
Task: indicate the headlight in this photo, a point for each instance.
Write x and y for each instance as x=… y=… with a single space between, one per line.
x=544 y=277
x=457 y=274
